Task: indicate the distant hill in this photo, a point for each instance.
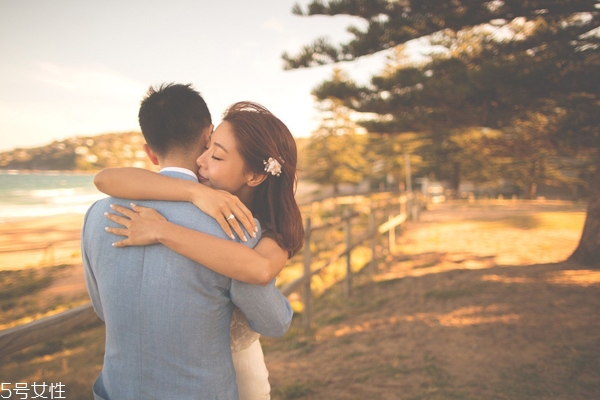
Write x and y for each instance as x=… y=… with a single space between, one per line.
x=80 y=153
x=88 y=153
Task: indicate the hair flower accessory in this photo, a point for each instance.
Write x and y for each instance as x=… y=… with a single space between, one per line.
x=272 y=166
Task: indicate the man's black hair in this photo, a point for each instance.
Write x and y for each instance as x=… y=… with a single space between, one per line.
x=172 y=117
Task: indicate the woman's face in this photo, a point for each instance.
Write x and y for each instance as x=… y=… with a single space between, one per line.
x=221 y=166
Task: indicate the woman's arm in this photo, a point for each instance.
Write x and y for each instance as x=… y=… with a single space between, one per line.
x=142 y=184
x=145 y=226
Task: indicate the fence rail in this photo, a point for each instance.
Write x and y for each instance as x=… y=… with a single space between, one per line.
x=20 y=337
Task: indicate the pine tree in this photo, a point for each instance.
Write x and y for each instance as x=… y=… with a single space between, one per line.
x=335 y=151
x=527 y=69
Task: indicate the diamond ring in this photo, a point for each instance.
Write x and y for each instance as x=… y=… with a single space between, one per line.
x=231 y=216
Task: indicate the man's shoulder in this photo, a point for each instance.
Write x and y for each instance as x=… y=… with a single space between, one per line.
x=180 y=213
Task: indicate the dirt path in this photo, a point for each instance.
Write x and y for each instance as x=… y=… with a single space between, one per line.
x=475 y=305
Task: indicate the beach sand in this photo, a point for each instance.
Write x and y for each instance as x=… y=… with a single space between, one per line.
x=39 y=242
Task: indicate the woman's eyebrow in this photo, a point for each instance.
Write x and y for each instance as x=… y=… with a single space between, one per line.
x=221 y=146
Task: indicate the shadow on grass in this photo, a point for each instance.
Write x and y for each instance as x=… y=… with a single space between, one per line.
x=74 y=360
x=510 y=332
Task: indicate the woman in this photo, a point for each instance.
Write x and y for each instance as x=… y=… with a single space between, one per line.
x=252 y=155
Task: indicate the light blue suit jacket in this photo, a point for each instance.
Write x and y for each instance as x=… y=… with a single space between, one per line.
x=167 y=317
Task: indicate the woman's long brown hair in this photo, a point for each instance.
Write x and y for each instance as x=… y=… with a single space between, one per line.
x=260 y=135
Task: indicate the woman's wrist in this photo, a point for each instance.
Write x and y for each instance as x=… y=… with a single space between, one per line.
x=196 y=192
x=161 y=231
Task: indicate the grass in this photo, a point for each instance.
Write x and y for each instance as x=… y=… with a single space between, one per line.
x=453 y=293
x=386 y=342
x=18 y=283
x=74 y=360
x=22 y=297
x=19 y=291
x=449 y=331
x=293 y=391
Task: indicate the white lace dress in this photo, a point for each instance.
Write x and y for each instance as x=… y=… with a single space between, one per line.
x=248 y=359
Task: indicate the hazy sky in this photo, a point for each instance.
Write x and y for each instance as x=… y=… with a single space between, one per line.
x=79 y=67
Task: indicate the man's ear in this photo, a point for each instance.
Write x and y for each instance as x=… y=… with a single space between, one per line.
x=253 y=180
x=151 y=154
x=205 y=137
x=206 y=132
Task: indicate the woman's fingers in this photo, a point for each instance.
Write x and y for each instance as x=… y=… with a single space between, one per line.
x=236 y=227
x=117 y=231
x=120 y=232
x=244 y=217
x=138 y=228
x=122 y=243
x=225 y=226
x=137 y=208
x=123 y=210
x=147 y=212
x=118 y=219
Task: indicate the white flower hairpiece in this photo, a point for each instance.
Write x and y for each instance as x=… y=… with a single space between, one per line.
x=272 y=166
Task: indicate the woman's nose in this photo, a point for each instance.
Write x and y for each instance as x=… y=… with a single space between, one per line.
x=200 y=160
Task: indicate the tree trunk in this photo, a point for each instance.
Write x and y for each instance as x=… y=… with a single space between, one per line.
x=588 y=250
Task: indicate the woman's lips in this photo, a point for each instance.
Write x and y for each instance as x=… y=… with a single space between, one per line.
x=201 y=178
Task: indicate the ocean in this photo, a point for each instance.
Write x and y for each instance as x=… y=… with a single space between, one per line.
x=30 y=195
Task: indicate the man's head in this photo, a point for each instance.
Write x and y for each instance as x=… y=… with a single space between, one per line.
x=173 y=118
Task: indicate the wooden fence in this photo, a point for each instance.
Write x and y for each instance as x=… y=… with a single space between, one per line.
x=393 y=209
x=54 y=253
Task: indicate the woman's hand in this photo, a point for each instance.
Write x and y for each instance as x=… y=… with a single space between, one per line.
x=227 y=209
x=141 y=225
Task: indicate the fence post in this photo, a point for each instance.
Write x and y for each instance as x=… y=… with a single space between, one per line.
x=306 y=292
x=404 y=205
x=392 y=230
x=371 y=230
x=348 y=280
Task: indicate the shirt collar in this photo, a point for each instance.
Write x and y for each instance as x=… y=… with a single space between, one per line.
x=181 y=170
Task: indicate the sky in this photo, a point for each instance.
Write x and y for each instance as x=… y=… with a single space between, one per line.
x=81 y=67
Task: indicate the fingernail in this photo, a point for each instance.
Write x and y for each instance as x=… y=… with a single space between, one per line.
x=112 y=206
x=256 y=229
x=253 y=235
x=106 y=228
x=106 y=214
x=114 y=245
x=231 y=236
x=244 y=238
x=132 y=205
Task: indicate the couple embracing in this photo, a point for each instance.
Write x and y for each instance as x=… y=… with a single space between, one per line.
x=189 y=290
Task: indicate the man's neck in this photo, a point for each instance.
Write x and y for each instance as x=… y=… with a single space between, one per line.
x=180 y=170
x=191 y=166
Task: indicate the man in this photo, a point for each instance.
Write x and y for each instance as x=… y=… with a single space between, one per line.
x=167 y=317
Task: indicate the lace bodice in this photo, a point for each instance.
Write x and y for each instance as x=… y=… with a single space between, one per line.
x=241 y=335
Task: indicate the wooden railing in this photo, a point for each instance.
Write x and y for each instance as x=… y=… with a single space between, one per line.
x=396 y=209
